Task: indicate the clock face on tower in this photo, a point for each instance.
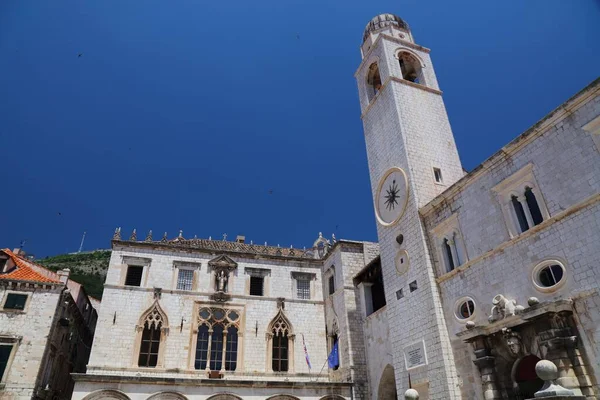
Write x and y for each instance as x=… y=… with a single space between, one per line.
x=392 y=195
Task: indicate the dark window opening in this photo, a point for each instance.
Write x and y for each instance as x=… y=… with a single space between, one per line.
x=149 y=346
x=373 y=81
x=216 y=348
x=520 y=213
x=377 y=291
x=449 y=257
x=410 y=67
x=331 y=284
x=399 y=294
x=534 y=208
x=437 y=173
x=15 y=301
x=5 y=351
x=256 y=285
x=134 y=275
x=231 y=349
x=280 y=353
x=201 y=348
x=413 y=286
x=551 y=275
x=467 y=309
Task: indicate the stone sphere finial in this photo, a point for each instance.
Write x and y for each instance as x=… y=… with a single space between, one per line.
x=411 y=394
x=546 y=370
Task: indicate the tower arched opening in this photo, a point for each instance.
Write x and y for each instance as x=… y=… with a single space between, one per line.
x=373 y=81
x=410 y=67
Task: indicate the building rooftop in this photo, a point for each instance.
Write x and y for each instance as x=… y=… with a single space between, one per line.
x=25 y=270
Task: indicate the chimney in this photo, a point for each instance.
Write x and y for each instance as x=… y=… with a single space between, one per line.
x=240 y=239
x=63 y=275
x=19 y=251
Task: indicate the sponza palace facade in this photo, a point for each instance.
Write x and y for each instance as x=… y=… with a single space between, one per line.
x=476 y=276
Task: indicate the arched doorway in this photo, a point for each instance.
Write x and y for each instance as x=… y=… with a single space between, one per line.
x=526 y=380
x=387 y=384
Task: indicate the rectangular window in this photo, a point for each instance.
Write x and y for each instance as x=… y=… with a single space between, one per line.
x=303 y=288
x=185 y=278
x=437 y=173
x=202 y=347
x=331 y=284
x=256 y=285
x=149 y=347
x=5 y=350
x=15 y=301
x=134 y=275
x=280 y=353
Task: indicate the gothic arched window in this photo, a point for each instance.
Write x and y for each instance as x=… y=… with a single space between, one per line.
x=151 y=329
x=280 y=344
x=217 y=339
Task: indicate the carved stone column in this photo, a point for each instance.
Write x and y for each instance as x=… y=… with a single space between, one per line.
x=487 y=369
x=559 y=342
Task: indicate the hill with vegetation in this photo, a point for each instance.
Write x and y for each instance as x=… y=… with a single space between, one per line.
x=88 y=269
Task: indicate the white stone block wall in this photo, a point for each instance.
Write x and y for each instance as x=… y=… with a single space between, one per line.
x=566 y=166
x=33 y=327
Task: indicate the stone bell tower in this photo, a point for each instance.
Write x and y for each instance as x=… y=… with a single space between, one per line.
x=412 y=158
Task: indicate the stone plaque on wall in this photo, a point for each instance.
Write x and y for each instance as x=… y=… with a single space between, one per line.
x=415 y=355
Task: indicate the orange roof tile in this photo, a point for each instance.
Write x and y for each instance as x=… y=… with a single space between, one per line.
x=23 y=272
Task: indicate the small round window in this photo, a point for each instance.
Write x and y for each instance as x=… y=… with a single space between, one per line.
x=549 y=275
x=465 y=309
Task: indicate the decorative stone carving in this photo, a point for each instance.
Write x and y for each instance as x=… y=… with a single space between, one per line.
x=222 y=265
x=533 y=301
x=157 y=293
x=148 y=236
x=411 y=394
x=154 y=317
x=133 y=236
x=503 y=308
x=548 y=372
x=117 y=234
x=513 y=342
x=470 y=325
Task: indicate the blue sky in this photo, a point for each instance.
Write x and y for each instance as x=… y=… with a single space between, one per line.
x=186 y=114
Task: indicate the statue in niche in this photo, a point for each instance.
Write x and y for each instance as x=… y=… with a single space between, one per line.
x=222 y=277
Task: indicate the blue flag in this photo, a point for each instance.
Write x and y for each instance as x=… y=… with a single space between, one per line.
x=334 y=358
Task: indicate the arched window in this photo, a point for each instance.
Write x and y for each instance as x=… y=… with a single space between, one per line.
x=201 y=348
x=519 y=213
x=280 y=343
x=410 y=68
x=449 y=256
x=231 y=349
x=534 y=208
x=150 y=345
x=373 y=81
x=151 y=330
x=217 y=339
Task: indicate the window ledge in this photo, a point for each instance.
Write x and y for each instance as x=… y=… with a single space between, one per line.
x=375 y=313
x=3 y=311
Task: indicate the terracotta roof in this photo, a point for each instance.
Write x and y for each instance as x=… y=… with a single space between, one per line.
x=23 y=270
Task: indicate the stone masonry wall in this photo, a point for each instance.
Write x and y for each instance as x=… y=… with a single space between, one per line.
x=566 y=166
x=31 y=327
x=122 y=307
